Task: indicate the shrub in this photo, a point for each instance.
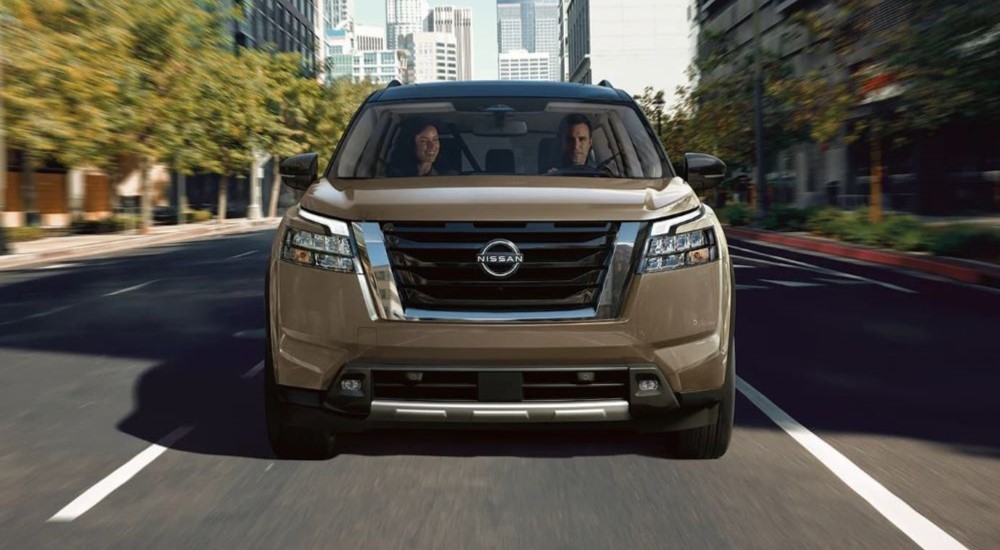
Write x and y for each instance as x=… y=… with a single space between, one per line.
x=826 y=221
x=197 y=216
x=21 y=234
x=965 y=241
x=107 y=225
x=786 y=218
x=737 y=213
x=902 y=232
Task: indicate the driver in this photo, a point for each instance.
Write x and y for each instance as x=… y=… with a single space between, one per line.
x=574 y=139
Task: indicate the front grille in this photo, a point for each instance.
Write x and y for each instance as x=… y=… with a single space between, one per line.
x=536 y=385
x=435 y=266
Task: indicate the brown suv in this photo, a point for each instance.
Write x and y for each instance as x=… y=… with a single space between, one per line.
x=500 y=254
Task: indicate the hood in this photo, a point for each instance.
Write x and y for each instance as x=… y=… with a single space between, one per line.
x=500 y=198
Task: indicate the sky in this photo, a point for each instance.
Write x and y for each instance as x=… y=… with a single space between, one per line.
x=484 y=29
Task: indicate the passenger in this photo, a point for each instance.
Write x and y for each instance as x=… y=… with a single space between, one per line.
x=419 y=147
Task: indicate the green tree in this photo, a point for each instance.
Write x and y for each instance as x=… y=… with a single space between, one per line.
x=239 y=121
x=62 y=75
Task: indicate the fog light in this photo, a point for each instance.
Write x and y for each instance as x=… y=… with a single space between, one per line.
x=352 y=385
x=649 y=384
x=414 y=376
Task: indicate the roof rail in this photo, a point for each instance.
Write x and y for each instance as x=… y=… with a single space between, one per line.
x=606 y=84
x=395 y=82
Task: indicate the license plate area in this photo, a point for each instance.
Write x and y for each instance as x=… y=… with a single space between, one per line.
x=501 y=386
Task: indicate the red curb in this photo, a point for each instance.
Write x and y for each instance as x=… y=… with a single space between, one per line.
x=937 y=267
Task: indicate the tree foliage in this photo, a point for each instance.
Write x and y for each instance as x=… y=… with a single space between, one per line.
x=88 y=83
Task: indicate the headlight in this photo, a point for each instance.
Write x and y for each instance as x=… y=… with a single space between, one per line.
x=666 y=252
x=332 y=252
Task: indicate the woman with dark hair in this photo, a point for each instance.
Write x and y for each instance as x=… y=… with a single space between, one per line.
x=417 y=147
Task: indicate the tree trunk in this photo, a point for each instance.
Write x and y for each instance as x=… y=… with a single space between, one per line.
x=3 y=188
x=182 y=202
x=145 y=198
x=28 y=187
x=875 y=187
x=272 y=203
x=223 y=197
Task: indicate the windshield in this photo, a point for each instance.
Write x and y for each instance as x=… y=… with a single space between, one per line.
x=504 y=136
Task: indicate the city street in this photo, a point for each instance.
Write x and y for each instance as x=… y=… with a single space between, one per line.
x=131 y=386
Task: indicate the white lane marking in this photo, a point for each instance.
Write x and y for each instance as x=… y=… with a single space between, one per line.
x=254 y=370
x=252 y=334
x=752 y=287
x=841 y=281
x=242 y=255
x=57 y=266
x=768 y=262
x=826 y=271
x=738 y=266
x=920 y=529
x=48 y=312
x=792 y=284
x=131 y=288
x=45 y=313
x=91 y=497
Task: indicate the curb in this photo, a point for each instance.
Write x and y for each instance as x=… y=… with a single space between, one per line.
x=130 y=242
x=952 y=269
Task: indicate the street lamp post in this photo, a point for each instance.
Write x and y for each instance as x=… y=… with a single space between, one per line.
x=659 y=115
x=758 y=110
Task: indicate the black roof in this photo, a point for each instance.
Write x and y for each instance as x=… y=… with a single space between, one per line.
x=507 y=88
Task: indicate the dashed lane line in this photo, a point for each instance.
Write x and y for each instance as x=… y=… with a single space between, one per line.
x=39 y=315
x=791 y=284
x=243 y=255
x=824 y=270
x=254 y=370
x=91 y=497
x=921 y=530
x=131 y=288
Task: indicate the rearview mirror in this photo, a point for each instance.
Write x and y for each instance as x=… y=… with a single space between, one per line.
x=703 y=171
x=299 y=172
x=506 y=128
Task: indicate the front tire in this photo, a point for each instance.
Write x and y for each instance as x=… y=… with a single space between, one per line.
x=711 y=441
x=293 y=442
x=287 y=441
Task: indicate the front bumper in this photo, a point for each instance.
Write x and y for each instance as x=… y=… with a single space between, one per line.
x=638 y=408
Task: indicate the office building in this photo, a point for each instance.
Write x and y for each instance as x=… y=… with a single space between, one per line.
x=524 y=65
x=403 y=17
x=287 y=25
x=457 y=21
x=631 y=43
x=531 y=26
x=337 y=14
x=369 y=38
x=435 y=56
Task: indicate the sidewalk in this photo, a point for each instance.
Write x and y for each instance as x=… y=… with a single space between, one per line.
x=953 y=268
x=29 y=253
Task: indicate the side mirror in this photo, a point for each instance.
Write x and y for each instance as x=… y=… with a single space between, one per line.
x=299 y=172
x=703 y=171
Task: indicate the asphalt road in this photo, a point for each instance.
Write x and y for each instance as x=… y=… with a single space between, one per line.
x=102 y=359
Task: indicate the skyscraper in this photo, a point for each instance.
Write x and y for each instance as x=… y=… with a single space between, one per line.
x=288 y=26
x=457 y=21
x=337 y=13
x=532 y=26
x=434 y=56
x=463 y=34
x=509 y=30
x=521 y=65
x=403 y=17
